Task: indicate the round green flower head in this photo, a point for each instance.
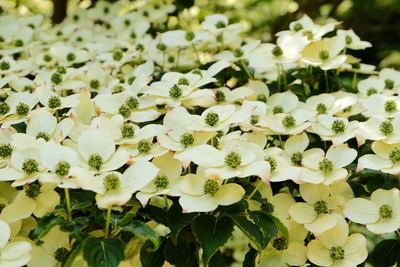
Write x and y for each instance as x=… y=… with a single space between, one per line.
x=211 y=118
x=71 y=57
x=4 y=65
x=394 y=155
x=338 y=126
x=371 y=91
x=321 y=108
x=321 y=207
x=5 y=150
x=389 y=84
x=30 y=166
x=111 y=182
x=233 y=159
x=132 y=102
x=268 y=207
x=95 y=161
x=386 y=127
x=277 y=109
x=43 y=135
x=160 y=46
x=280 y=243
x=324 y=55
x=254 y=119
x=22 y=109
x=32 y=190
x=238 y=52
x=124 y=110
x=297 y=158
x=4 y=108
x=187 y=139
x=189 y=36
x=336 y=253
x=54 y=102
x=127 y=130
x=47 y=58
x=117 y=55
x=348 y=39
x=62 y=168
x=277 y=51
x=183 y=81
x=144 y=146
x=326 y=166
x=211 y=187
x=272 y=162
x=262 y=98
x=61 y=254
x=220 y=24
x=297 y=27
x=289 y=122
x=175 y=91
x=161 y=182
x=56 y=78
x=220 y=96
x=385 y=212
x=390 y=106
x=94 y=84
x=19 y=43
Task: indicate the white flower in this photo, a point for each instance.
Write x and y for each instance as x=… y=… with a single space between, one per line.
x=370 y=86
x=391 y=78
x=201 y=194
x=378 y=105
x=15 y=253
x=327 y=168
x=352 y=40
x=335 y=129
x=381 y=214
x=336 y=248
x=385 y=159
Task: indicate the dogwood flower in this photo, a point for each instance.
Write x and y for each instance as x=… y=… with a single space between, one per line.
x=385 y=159
x=381 y=214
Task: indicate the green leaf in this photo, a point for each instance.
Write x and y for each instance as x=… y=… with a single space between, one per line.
x=250 y=258
x=141 y=229
x=178 y=220
x=212 y=233
x=217 y=260
x=108 y=252
x=151 y=258
x=72 y=256
x=183 y=252
x=386 y=253
x=266 y=224
x=280 y=226
x=251 y=230
x=45 y=224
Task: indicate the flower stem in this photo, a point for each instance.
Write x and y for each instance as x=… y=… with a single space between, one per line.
x=279 y=77
x=246 y=69
x=197 y=53
x=283 y=76
x=255 y=190
x=353 y=85
x=108 y=219
x=326 y=81
x=166 y=202
x=68 y=203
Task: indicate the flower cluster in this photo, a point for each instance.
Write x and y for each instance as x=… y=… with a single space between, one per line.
x=114 y=105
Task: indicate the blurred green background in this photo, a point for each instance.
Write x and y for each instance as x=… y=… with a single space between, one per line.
x=376 y=21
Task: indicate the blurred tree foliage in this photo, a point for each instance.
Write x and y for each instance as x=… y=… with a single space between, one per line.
x=377 y=21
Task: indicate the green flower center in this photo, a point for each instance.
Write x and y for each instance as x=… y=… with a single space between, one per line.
x=54 y=102
x=183 y=81
x=289 y=121
x=326 y=166
x=175 y=91
x=321 y=108
x=30 y=166
x=277 y=109
x=2 y=206
x=124 y=110
x=348 y=109
x=262 y=98
x=336 y=253
x=187 y=139
x=117 y=55
x=272 y=162
x=348 y=39
x=211 y=118
x=4 y=65
x=95 y=161
x=161 y=182
x=94 y=84
x=324 y=55
x=62 y=168
x=277 y=51
x=385 y=212
x=321 y=207
x=390 y=106
x=144 y=146
x=268 y=207
x=47 y=58
x=61 y=254
x=371 y=91
x=254 y=119
x=111 y=182
x=211 y=187
x=5 y=150
x=238 y=52
x=32 y=190
x=297 y=158
x=4 y=108
x=280 y=243
x=118 y=89
x=71 y=57
x=160 y=46
x=132 y=102
x=220 y=96
x=389 y=84
x=22 y=109
x=56 y=78
x=233 y=159
x=386 y=127
x=394 y=155
x=127 y=131
x=220 y=24
x=297 y=27
x=43 y=135
x=338 y=126
x=189 y=36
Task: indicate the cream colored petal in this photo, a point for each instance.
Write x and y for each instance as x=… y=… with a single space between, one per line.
x=95 y=142
x=335 y=176
x=384 y=226
x=312 y=157
x=296 y=143
x=229 y=194
x=168 y=165
x=312 y=193
x=361 y=210
x=258 y=168
x=355 y=249
x=16 y=253
x=282 y=202
x=310 y=176
x=46 y=202
x=296 y=254
x=203 y=203
x=302 y=213
x=117 y=160
x=140 y=174
x=318 y=254
x=389 y=197
x=192 y=184
x=4 y=233
x=22 y=207
x=40 y=258
x=202 y=155
x=341 y=155
x=321 y=224
x=336 y=236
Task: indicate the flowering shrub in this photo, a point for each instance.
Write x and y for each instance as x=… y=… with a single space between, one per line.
x=126 y=143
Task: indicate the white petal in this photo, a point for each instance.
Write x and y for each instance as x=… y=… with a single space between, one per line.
x=355 y=249
x=361 y=210
x=203 y=203
x=302 y=213
x=296 y=143
x=140 y=174
x=341 y=155
x=229 y=194
x=95 y=142
x=318 y=254
x=4 y=233
x=322 y=223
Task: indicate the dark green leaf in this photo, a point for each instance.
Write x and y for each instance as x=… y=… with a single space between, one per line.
x=45 y=224
x=182 y=254
x=250 y=258
x=386 y=253
x=178 y=220
x=217 y=260
x=141 y=229
x=251 y=230
x=151 y=258
x=108 y=252
x=266 y=224
x=212 y=233
x=236 y=208
x=72 y=256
